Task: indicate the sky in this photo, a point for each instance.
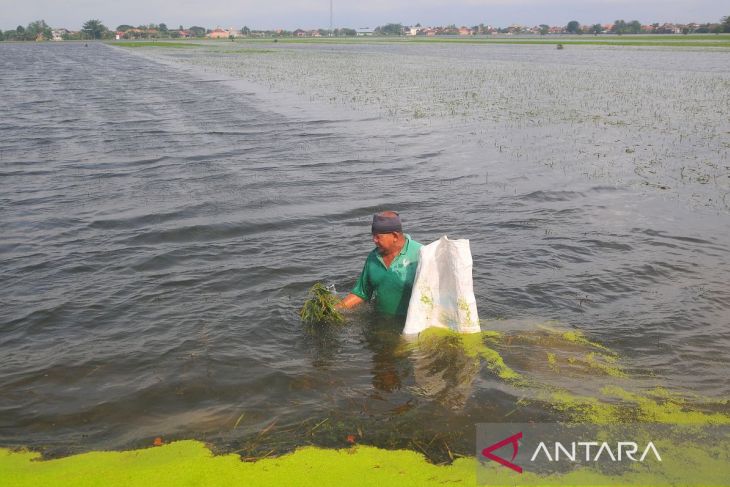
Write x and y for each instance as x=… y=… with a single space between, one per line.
x=292 y=14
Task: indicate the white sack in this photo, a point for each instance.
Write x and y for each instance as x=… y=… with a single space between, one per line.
x=443 y=291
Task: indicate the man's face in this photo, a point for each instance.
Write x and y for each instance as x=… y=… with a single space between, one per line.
x=385 y=242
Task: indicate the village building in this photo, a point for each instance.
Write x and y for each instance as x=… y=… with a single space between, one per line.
x=219 y=33
x=57 y=34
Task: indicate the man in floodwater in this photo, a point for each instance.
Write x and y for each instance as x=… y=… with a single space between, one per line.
x=389 y=269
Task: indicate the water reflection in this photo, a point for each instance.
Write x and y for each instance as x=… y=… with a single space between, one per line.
x=443 y=371
x=324 y=343
x=390 y=367
x=435 y=367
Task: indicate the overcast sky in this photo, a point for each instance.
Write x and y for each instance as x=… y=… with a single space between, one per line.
x=290 y=14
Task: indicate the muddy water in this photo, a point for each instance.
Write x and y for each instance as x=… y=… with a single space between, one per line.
x=163 y=216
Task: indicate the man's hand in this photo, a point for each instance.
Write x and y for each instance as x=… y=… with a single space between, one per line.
x=350 y=301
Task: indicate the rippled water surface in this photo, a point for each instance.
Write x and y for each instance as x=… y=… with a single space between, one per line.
x=163 y=216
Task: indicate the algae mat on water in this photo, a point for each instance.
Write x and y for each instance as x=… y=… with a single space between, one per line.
x=191 y=463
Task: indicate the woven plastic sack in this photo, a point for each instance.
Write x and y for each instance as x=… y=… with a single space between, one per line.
x=443 y=291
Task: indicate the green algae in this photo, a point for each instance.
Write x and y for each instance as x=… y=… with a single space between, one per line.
x=572 y=354
x=192 y=463
x=615 y=405
x=573 y=336
x=552 y=362
x=659 y=406
x=487 y=346
x=610 y=404
x=474 y=346
x=583 y=409
x=602 y=363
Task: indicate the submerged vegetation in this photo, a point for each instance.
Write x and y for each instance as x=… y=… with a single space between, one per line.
x=612 y=396
x=320 y=308
x=653 y=121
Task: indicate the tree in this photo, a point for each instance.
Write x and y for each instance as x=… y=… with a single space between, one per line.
x=344 y=32
x=37 y=29
x=197 y=31
x=245 y=30
x=163 y=28
x=450 y=30
x=389 y=30
x=124 y=28
x=94 y=29
x=634 y=27
x=573 y=27
x=726 y=24
x=2 y=36
x=544 y=29
x=596 y=29
x=619 y=27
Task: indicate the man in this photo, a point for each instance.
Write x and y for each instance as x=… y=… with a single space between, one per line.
x=389 y=269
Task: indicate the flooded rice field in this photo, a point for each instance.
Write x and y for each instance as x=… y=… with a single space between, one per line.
x=164 y=212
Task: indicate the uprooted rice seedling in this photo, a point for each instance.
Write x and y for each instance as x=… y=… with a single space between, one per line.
x=320 y=308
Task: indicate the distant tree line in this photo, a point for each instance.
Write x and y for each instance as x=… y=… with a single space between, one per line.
x=35 y=31
x=39 y=30
x=621 y=27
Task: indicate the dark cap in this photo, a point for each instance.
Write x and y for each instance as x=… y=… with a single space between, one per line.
x=386 y=222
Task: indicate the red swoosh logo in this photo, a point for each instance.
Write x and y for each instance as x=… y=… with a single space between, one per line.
x=487 y=452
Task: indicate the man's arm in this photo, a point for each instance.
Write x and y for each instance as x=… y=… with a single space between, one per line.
x=350 y=301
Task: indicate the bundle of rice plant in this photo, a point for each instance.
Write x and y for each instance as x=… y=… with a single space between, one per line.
x=320 y=307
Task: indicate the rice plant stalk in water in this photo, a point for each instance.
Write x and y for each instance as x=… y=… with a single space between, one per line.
x=320 y=307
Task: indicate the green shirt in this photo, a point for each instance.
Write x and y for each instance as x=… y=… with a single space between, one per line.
x=390 y=285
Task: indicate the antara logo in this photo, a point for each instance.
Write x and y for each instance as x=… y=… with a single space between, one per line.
x=514 y=439
x=623 y=450
x=627 y=448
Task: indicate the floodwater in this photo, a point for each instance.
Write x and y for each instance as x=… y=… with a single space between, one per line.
x=164 y=213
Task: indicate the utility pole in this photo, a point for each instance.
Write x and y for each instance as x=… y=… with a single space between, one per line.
x=330 y=18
